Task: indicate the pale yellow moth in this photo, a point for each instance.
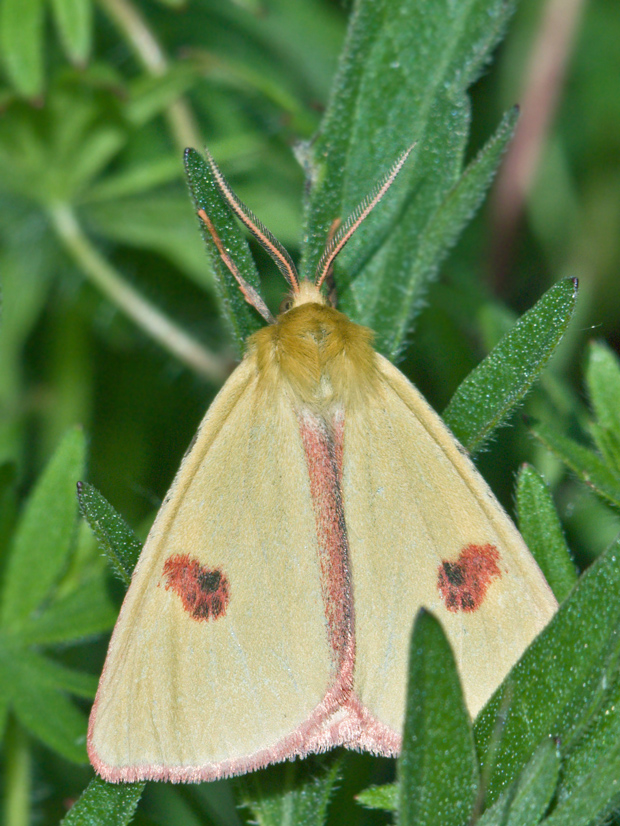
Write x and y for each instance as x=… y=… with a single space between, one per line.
x=322 y=503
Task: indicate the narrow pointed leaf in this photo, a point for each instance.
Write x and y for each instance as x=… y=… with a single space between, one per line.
x=151 y=94
x=89 y=158
x=43 y=537
x=608 y=442
x=440 y=235
x=8 y=497
x=603 y=381
x=527 y=801
x=6 y=689
x=587 y=464
x=74 y=20
x=491 y=391
x=52 y=718
x=40 y=670
x=560 y=680
x=540 y=526
x=285 y=794
x=591 y=774
x=425 y=68
x=242 y=318
x=21 y=44
x=438 y=767
x=380 y=797
x=120 y=544
x=596 y=800
x=105 y=804
x=136 y=179
x=159 y=222
x=36 y=687
x=86 y=611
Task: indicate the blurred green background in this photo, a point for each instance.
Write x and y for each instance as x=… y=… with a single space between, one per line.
x=97 y=102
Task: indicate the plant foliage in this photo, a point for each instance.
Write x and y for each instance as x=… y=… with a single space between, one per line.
x=112 y=319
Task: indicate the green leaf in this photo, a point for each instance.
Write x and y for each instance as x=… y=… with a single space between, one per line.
x=285 y=795
x=135 y=180
x=591 y=773
x=52 y=156
x=243 y=320
x=151 y=94
x=603 y=382
x=447 y=223
x=160 y=221
x=118 y=541
x=97 y=147
x=17 y=775
x=380 y=797
x=48 y=714
x=397 y=84
x=105 y=804
x=608 y=443
x=32 y=685
x=44 y=535
x=527 y=801
x=8 y=500
x=74 y=20
x=587 y=464
x=274 y=87
x=21 y=44
x=542 y=531
x=560 y=680
x=85 y=611
x=438 y=766
x=39 y=670
x=488 y=394
x=6 y=692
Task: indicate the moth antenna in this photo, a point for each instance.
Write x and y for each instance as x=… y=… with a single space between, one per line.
x=248 y=292
x=329 y=280
x=362 y=211
x=266 y=239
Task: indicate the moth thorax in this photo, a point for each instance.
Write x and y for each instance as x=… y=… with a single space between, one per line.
x=318 y=355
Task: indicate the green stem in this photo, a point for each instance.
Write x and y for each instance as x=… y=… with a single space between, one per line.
x=17 y=775
x=130 y=301
x=151 y=55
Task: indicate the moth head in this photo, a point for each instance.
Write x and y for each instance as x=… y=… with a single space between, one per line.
x=307 y=292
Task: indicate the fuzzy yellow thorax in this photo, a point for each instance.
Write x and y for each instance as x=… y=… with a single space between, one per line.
x=321 y=356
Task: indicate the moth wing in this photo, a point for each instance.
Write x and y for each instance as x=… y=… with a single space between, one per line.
x=184 y=696
x=425 y=530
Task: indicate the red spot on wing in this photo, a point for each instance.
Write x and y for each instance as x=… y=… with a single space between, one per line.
x=204 y=592
x=463 y=584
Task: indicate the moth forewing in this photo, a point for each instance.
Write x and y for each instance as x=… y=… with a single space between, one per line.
x=322 y=504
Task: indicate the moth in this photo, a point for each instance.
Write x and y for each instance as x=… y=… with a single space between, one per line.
x=323 y=502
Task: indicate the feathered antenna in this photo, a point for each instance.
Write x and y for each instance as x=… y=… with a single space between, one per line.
x=265 y=238
x=362 y=211
x=247 y=290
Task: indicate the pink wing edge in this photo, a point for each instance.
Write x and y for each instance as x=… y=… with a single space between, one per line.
x=339 y=720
